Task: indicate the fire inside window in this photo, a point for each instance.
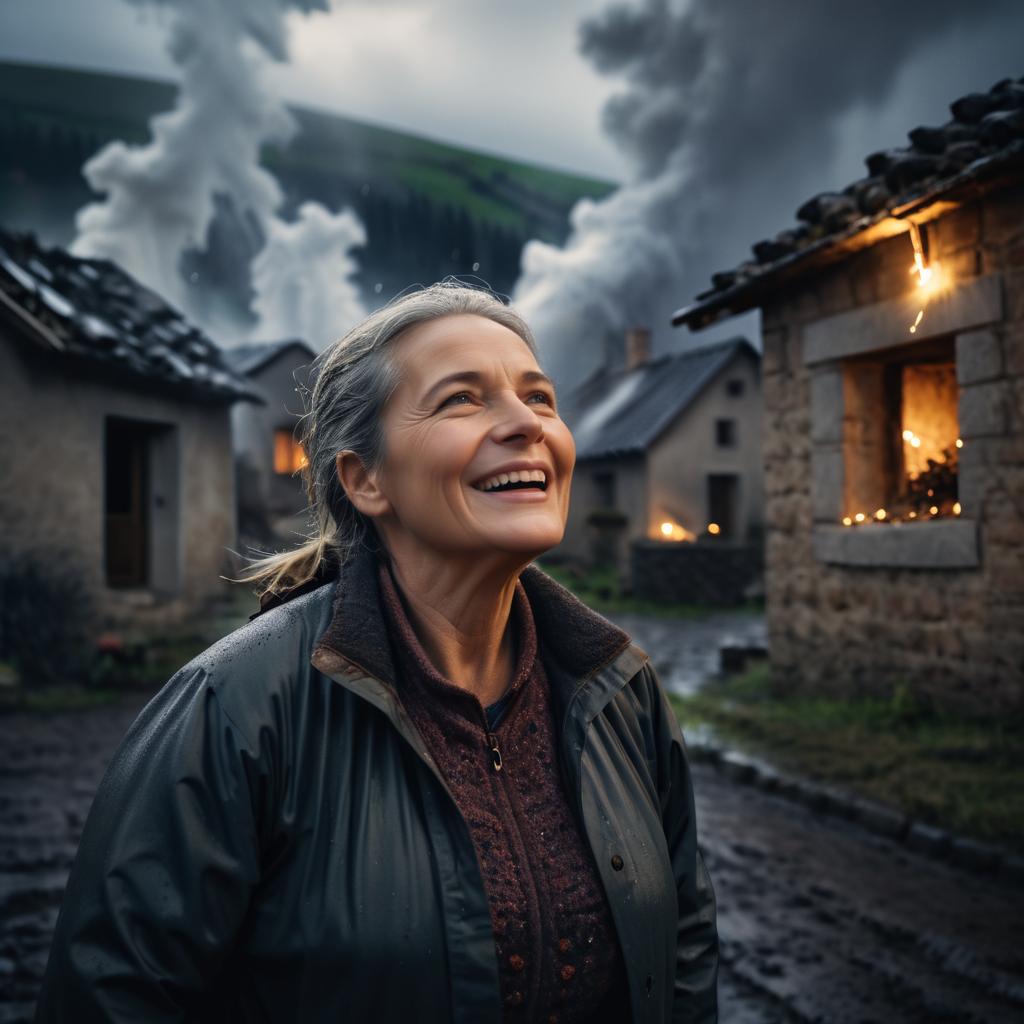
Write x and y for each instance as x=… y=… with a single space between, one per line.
x=289 y=457
x=902 y=461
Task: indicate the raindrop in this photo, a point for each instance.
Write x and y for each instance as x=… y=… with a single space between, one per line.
x=193 y=278
x=378 y=288
x=476 y=266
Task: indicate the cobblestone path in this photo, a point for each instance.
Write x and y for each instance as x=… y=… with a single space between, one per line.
x=819 y=921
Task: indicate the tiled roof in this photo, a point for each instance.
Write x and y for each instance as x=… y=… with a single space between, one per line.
x=92 y=309
x=979 y=147
x=251 y=357
x=622 y=412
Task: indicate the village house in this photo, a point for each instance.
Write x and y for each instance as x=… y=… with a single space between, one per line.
x=116 y=431
x=668 y=457
x=267 y=454
x=893 y=323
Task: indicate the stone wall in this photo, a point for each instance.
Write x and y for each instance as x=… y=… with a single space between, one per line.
x=938 y=606
x=707 y=573
x=52 y=421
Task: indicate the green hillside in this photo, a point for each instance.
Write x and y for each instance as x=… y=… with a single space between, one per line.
x=430 y=208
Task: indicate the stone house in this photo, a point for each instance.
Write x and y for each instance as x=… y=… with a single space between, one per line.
x=893 y=322
x=667 y=451
x=116 y=434
x=267 y=454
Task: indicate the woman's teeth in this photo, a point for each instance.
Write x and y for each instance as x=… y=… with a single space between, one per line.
x=522 y=478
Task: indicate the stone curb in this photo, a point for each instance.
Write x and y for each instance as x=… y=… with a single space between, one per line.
x=873 y=817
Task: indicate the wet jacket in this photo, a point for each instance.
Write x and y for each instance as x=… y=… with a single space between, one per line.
x=272 y=842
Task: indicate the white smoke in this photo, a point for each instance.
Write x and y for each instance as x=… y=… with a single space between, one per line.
x=727 y=106
x=160 y=198
x=302 y=287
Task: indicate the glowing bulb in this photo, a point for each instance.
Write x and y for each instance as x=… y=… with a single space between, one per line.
x=959 y=442
x=847 y=521
x=860 y=517
x=666 y=529
x=934 y=510
x=714 y=528
x=916 y=442
x=956 y=508
x=912 y=515
x=908 y=435
x=880 y=514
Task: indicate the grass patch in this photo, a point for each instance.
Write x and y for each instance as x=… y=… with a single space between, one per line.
x=963 y=774
x=602 y=590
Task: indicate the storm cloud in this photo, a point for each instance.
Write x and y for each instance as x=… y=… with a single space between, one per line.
x=725 y=107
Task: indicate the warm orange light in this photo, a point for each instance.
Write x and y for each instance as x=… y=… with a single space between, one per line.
x=847 y=521
x=714 y=528
x=934 y=510
x=673 y=531
x=289 y=456
x=956 y=508
x=912 y=515
x=860 y=517
x=959 y=442
x=880 y=514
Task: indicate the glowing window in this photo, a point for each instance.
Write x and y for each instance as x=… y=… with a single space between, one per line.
x=289 y=457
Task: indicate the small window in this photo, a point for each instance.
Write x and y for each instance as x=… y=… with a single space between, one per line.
x=604 y=490
x=289 y=456
x=725 y=433
x=734 y=388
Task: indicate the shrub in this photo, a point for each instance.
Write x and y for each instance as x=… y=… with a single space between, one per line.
x=44 y=622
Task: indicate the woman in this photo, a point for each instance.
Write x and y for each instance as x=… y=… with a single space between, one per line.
x=425 y=783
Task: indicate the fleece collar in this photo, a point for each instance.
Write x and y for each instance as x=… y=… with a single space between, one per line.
x=575 y=639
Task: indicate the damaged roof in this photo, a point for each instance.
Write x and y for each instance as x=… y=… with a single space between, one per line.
x=252 y=357
x=980 y=148
x=623 y=412
x=92 y=309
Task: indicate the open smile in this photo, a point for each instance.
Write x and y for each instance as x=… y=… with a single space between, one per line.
x=530 y=480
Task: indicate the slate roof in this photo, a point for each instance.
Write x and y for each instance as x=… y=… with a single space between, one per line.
x=91 y=309
x=252 y=357
x=622 y=412
x=981 y=147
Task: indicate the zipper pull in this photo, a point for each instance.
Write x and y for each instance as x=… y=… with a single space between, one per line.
x=496 y=758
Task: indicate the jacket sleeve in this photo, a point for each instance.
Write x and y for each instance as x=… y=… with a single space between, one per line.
x=696 y=982
x=163 y=874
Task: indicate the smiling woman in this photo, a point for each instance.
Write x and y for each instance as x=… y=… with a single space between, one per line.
x=425 y=783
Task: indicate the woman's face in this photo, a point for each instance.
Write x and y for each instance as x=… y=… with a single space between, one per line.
x=472 y=410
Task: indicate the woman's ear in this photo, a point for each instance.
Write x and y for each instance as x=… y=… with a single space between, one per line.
x=360 y=485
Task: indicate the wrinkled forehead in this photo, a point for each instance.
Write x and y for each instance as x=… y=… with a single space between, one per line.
x=463 y=343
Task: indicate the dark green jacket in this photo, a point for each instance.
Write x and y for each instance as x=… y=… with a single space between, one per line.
x=273 y=843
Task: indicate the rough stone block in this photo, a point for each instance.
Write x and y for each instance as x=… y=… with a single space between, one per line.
x=928 y=839
x=972 y=854
x=970 y=304
x=881 y=820
x=937 y=544
x=827 y=406
x=827 y=479
x=978 y=357
x=984 y=410
x=773 y=348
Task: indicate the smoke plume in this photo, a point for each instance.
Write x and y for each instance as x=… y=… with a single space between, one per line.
x=161 y=199
x=726 y=107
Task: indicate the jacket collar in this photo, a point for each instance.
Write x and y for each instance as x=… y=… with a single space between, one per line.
x=577 y=640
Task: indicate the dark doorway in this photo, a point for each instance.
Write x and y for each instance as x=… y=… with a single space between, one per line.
x=126 y=486
x=723 y=492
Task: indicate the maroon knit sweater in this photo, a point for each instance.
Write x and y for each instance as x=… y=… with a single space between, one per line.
x=558 y=955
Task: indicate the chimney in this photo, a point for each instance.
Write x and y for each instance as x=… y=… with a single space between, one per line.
x=638 y=347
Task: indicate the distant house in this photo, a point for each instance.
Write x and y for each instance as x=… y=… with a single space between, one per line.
x=267 y=454
x=667 y=450
x=116 y=435
x=893 y=320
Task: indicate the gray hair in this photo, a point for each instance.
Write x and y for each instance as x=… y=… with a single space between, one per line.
x=354 y=378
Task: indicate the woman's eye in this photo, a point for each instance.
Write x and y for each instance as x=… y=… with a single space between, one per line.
x=541 y=396
x=462 y=398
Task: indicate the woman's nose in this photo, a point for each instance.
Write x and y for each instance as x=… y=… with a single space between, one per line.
x=517 y=421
